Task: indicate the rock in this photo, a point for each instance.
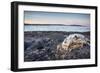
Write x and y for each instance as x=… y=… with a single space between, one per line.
x=42 y=46
x=73 y=41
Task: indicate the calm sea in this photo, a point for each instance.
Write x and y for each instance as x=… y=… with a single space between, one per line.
x=57 y=28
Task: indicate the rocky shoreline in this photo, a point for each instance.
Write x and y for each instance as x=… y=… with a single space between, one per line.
x=41 y=46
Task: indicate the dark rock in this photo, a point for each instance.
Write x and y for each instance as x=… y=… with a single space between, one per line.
x=41 y=46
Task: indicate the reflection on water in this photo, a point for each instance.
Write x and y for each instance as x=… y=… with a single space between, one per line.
x=56 y=28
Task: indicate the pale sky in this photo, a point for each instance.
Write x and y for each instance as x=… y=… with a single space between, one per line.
x=35 y=17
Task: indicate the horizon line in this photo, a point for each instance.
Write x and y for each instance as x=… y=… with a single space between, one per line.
x=56 y=24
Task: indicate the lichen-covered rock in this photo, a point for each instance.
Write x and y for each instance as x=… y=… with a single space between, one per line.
x=73 y=41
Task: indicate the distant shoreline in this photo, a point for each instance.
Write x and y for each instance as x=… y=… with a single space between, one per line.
x=53 y=25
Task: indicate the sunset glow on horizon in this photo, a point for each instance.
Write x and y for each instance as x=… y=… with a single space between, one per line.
x=36 y=17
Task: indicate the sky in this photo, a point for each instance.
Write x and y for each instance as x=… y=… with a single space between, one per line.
x=37 y=17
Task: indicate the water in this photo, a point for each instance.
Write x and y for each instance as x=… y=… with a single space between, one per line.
x=56 y=28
